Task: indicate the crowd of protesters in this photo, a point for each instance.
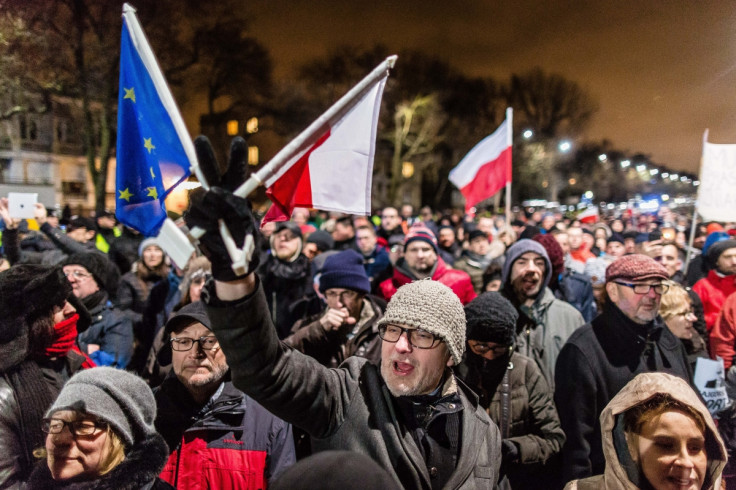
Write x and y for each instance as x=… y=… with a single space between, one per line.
x=452 y=351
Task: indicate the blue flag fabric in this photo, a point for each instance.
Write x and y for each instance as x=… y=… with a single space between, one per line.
x=151 y=159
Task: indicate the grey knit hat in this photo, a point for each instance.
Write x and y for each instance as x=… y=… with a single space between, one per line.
x=117 y=397
x=520 y=248
x=432 y=306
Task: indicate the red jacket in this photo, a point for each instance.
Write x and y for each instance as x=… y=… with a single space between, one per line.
x=723 y=335
x=456 y=280
x=713 y=290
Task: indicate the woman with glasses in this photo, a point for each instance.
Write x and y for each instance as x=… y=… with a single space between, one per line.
x=100 y=435
x=512 y=390
x=676 y=309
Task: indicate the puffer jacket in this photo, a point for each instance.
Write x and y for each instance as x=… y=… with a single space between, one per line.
x=456 y=280
x=346 y=408
x=113 y=332
x=639 y=390
x=232 y=442
x=522 y=406
x=332 y=347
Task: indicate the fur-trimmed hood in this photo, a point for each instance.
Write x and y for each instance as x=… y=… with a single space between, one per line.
x=139 y=470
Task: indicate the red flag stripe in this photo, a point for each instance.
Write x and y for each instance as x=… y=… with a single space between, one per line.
x=491 y=178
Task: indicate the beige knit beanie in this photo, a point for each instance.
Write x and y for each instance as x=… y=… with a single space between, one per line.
x=432 y=306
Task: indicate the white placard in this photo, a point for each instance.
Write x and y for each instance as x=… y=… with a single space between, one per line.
x=710 y=380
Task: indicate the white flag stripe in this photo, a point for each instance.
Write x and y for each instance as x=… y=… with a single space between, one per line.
x=486 y=151
x=717 y=190
x=341 y=169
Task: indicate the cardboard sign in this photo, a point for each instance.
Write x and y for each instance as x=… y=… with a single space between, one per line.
x=710 y=380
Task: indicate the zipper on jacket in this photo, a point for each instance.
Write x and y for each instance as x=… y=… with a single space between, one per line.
x=178 y=456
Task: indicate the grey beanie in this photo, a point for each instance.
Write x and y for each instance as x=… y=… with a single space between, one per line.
x=117 y=397
x=432 y=306
x=520 y=248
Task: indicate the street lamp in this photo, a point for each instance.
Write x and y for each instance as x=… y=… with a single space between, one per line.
x=653 y=171
x=625 y=163
x=527 y=134
x=602 y=157
x=565 y=146
x=641 y=167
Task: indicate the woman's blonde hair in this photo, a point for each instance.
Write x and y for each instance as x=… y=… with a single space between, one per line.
x=674 y=301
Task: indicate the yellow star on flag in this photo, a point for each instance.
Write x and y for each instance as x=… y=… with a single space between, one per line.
x=152 y=192
x=125 y=194
x=129 y=94
x=147 y=143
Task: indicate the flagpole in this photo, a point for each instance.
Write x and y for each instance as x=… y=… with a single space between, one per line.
x=510 y=141
x=695 y=209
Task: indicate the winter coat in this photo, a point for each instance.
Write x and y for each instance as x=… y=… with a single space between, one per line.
x=713 y=291
x=642 y=388
x=112 y=331
x=542 y=330
x=284 y=284
x=595 y=363
x=12 y=464
x=458 y=281
x=346 y=408
x=138 y=471
x=232 y=442
x=577 y=289
x=530 y=417
x=332 y=347
x=474 y=266
x=377 y=266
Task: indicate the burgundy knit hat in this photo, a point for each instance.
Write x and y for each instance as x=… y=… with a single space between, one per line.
x=635 y=267
x=554 y=251
x=421 y=232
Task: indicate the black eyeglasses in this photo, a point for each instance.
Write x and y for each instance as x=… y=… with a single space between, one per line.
x=482 y=348
x=182 y=344
x=421 y=339
x=644 y=288
x=76 y=427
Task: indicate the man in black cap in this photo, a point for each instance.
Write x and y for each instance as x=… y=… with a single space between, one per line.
x=286 y=275
x=615 y=247
x=206 y=421
x=107 y=232
x=348 y=325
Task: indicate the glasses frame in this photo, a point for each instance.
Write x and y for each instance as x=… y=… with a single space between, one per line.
x=499 y=350
x=347 y=294
x=74 y=426
x=664 y=287
x=78 y=275
x=408 y=331
x=174 y=341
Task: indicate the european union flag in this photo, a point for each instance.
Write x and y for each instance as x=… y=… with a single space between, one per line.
x=154 y=150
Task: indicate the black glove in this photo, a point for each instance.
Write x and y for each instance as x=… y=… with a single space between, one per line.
x=220 y=203
x=509 y=452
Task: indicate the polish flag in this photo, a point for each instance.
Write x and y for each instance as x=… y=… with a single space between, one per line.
x=486 y=168
x=334 y=169
x=589 y=215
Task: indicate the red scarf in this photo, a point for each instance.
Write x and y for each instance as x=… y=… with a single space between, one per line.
x=65 y=339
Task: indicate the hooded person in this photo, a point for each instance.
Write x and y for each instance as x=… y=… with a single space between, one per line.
x=686 y=452
x=545 y=322
x=512 y=390
x=286 y=275
x=100 y=435
x=38 y=354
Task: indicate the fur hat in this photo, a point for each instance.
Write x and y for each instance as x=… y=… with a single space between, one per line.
x=420 y=232
x=344 y=270
x=96 y=264
x=635 y=267
x=491 y=318
x=117 y=397
x=27 y=292
x=432 y=306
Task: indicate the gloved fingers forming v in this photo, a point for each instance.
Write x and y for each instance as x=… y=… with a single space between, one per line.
x=235 y=174
x=207 y=161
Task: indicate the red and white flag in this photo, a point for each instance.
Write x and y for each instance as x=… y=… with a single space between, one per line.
x=486 y=168
x=589 y=215
x=335 y=171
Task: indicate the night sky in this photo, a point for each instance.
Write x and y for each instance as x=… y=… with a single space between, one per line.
x=661 y=71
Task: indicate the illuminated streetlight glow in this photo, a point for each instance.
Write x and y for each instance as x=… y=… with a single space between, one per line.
x=602 y=157
x=565 y=146
x=673 y=176
x=527 y=134
x=683 y=179
x=665 y=175
x=641 y=167
x=588 y=194
x=696 y=183
x=653 y=171
x=665 y=197
x=625 y=163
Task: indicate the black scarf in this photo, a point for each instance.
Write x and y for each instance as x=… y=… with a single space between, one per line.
x=94 y=300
